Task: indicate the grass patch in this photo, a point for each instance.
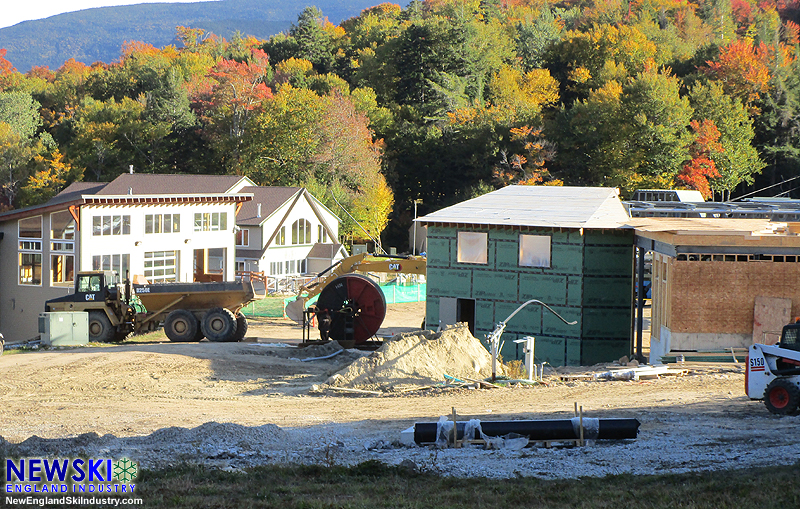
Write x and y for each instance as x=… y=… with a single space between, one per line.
x=269 y=306
x=373 y=485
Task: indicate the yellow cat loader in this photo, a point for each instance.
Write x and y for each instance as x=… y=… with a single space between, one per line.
x=773 y=372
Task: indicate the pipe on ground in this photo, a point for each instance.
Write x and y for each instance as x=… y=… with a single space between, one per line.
x=565 y=429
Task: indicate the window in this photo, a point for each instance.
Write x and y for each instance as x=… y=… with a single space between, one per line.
x=119 y=263
x=111 y=225
x=89 y=284
x=301 y=232
x=30 y=247
x=210 y=221
x=534 y=251
x=276 y=268
x=280 y=239
x=30 y=269
x=243 y=237
x=62 y=269
x=30 y=234
x=290 y=266
x=162 y=223
x=322 y=234
x=473 y=247
x=240 y=266
x=30 y=228
x=62 y=233
x=161 y=266
x=62 y=226
x=301 y=266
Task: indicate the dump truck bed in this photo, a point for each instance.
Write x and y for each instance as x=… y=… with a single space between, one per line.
x=163 y=298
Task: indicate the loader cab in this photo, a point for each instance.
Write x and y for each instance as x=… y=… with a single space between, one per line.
x=96 y=286
x=789 y=336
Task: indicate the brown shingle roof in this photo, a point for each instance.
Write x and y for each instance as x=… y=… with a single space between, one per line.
x=75 y=190
x=270 y=198
x=148 y=184
x=324 y=251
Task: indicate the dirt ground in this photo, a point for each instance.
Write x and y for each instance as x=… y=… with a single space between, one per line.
x=124 y=395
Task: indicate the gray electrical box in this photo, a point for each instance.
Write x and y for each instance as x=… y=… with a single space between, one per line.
x=64 y=328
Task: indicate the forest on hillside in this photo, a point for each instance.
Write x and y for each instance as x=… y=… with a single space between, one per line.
x=437 y=102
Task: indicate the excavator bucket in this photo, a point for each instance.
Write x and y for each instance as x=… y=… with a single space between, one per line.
x=294 y=310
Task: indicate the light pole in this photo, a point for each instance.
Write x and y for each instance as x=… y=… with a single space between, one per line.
x=414 y=224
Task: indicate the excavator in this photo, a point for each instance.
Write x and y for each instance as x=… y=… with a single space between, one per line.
x=350 y=306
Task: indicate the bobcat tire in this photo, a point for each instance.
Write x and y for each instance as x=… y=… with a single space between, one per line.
x=782 y=397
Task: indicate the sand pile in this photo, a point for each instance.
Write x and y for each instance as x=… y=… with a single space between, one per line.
x=419 y=358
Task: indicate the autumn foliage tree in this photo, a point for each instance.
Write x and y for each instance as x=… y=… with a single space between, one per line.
x=697 y=172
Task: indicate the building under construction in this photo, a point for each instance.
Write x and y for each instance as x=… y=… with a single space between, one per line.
x=566 y=246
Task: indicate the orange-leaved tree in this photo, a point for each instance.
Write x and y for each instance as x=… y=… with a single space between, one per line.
x=701 y=167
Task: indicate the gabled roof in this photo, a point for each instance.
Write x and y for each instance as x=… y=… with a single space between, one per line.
x=156 y=183
x=538 y=206
x=270 y=199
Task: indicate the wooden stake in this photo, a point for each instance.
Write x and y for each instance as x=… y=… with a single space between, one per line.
x=581 y=424
x=456 y=443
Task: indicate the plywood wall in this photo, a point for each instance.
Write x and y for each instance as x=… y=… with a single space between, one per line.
x=719 y=297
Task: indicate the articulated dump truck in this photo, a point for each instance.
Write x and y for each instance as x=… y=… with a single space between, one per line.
x=188 y=311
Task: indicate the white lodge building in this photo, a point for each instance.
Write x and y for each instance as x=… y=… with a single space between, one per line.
x=285 y=232
x=164 y=228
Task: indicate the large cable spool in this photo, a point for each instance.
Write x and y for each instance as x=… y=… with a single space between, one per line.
x=351 y=308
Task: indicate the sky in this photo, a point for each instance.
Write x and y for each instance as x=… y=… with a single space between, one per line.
x=17 y=11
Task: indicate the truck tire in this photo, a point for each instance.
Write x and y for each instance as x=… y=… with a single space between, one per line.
x=782 y=397
x=241 y=327
x=181 y=326
x=219 y=324
x=100 y=328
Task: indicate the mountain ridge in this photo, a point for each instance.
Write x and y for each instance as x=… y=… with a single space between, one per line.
x=97 y=34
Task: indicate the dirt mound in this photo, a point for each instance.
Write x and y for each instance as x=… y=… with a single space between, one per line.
x=419 y=358
x=217 y=434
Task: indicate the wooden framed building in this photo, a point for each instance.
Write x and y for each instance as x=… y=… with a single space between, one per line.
x=719 y=283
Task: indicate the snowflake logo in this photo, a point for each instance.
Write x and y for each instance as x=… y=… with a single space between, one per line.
x=125 y=470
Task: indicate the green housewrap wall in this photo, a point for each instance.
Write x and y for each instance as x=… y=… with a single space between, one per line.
x=590 y=280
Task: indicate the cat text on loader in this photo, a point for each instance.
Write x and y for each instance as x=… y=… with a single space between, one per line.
x=351 y=307
x=773 y=372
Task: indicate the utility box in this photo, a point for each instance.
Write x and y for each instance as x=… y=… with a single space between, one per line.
x=64 y=328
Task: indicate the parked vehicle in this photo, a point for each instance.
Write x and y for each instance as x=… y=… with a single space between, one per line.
x=188 y=311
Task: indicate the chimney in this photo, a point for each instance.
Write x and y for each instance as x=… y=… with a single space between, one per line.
x=258 y=214
x=130 y=169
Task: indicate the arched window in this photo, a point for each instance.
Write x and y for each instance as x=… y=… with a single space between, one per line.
x=301 y=232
